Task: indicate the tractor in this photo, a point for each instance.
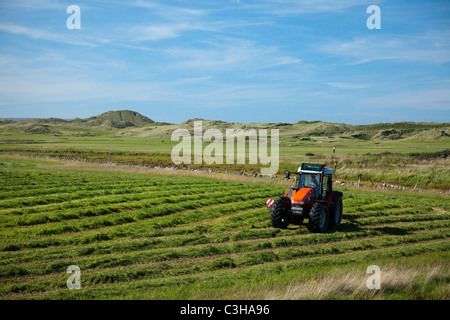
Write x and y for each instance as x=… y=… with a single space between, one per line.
x=312 y=197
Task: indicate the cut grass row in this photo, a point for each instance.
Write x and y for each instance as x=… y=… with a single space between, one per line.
x=135 y=272
x=118 y=203
x=263 y=238
x=123 y=255
x=198 y=215
x=236 y=245
x=62 y=195
x=149 y=220
x=46 y=195
x=121 y=215
x=226 y=283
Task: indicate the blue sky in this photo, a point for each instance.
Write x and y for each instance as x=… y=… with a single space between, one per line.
x=233 y=60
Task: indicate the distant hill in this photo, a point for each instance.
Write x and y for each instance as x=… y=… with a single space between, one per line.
x=123 y=118
x=111 y=120
x=116 y=119
x=304 y=130
x=38 y=129
x=133 y=124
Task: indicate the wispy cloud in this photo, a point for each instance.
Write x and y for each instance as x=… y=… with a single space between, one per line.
x=169 y=10
x=37 y=34
x=33 y=4
x=230 y=54
x=168 y=21
x=296 y=7
x=157 y=32
x=164 y=31
x=342 y=85
x=430 y=47
x=59 y=88
x=426 y=99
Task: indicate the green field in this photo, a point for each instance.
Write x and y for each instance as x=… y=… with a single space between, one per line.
x=147 y=236
x=407 y=154
x=410 y=164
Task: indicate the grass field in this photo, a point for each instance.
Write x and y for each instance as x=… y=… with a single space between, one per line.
x=408 y=163
x=147 y=236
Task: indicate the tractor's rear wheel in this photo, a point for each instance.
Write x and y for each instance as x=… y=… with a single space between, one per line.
x=318 y=218
x=336 y=213
x=280 y=214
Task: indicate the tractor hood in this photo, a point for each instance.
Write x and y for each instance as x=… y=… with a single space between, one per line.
x=304 y=196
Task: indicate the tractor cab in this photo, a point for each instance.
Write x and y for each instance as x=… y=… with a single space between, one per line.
x=309 y=180
x=316 y=177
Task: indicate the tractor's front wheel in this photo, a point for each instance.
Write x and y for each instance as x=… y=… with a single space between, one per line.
x=318 y=218
x=280 y=214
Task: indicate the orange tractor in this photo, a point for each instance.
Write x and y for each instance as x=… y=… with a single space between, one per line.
x=312 y=197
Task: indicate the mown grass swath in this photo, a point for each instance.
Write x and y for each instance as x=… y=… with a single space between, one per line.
x=149 y=236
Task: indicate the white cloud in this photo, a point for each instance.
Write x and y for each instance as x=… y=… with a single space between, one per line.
x=230 y=54
x=429 y=47
x=342 y=85
x=30 y=32
x=65 y=89
x=34 y=33
x=169 y=11
x=159 y=32
x=33 y=4
x=427 y=99
x=163 y=31
x=296 y=7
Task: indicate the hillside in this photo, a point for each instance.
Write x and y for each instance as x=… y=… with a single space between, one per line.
x=127 y=123
x=109 y=121
x=121 y=119
x=114 y=120
x=304 y=130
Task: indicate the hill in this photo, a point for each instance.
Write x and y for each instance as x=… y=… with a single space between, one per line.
x=123 y=118
x=109 y=121
x=116 y=120
x=127 y=123
x=38 y=129
x=304 y=130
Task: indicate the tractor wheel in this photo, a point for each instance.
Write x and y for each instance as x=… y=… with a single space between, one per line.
x=336 y=213
x=279 y=215
x=318 y=218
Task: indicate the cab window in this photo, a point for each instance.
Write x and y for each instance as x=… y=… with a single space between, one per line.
x=327 y=183
x=310 y=181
